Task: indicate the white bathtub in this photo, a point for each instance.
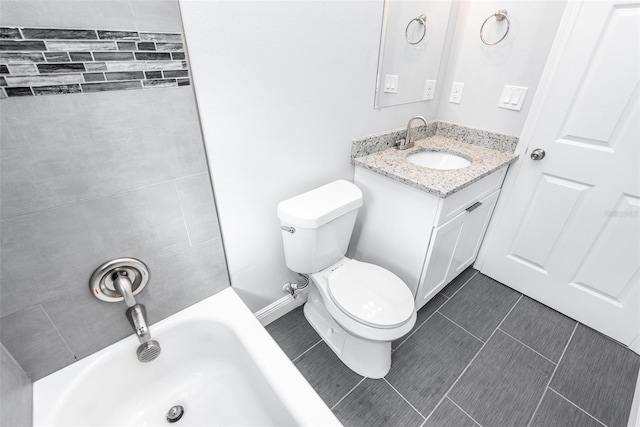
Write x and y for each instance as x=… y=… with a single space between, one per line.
x=217 y=361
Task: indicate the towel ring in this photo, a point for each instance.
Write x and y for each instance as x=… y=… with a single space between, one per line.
x=499 y=15
x=422 y=19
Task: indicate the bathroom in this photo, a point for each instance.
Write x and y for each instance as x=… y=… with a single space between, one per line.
x=282 y=89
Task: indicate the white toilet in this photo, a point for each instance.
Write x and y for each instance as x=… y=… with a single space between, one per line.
x=356 y=307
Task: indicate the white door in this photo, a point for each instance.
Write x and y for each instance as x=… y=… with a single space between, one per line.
x=567 y=230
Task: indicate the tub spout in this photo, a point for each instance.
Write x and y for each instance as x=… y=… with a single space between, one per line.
x=137 y=315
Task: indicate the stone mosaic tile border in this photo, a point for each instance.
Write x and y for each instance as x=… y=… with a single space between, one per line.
x=54 y=61
x=370 y=144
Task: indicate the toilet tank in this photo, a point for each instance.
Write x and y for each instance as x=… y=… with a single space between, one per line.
x=317 y=225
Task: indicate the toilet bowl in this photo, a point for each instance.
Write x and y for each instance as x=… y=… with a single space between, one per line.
x=356 y=307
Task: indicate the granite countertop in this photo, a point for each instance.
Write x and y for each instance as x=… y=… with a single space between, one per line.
x=442 y=183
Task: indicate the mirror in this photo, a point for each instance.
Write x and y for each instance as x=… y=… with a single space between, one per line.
x=411 y=46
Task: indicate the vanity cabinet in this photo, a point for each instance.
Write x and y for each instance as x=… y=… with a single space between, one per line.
x=424 y=239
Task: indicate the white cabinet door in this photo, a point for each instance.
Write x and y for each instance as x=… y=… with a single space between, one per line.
x=453 y=247
x=567 y=229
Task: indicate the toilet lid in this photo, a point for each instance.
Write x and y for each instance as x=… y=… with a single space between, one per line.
x=371 y=295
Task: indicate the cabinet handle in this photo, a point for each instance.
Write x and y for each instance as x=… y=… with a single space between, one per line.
x=474 y=206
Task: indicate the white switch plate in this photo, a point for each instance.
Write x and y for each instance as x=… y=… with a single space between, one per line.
x=429 y=90
x=456 y=92
x=391 y=83
x=512 y=97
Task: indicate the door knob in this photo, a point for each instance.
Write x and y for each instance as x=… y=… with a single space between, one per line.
x=538 y=154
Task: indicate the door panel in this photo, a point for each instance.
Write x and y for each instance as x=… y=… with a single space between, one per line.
x=568 y=230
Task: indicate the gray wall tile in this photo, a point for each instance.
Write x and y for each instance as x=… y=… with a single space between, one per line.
x=449 y=415
x=293 y=333
x=375 y=403
x=26 y=334
x=504 y=384
x=50 y=253
x=176 y=282
x=64 y=149
x=445 y=350
x=67 y=13
x=198 y=207
x=480 y=305
x=16 y=393
x=159 y=15
x=541 y=328
x=554 y=411
x=598 y=375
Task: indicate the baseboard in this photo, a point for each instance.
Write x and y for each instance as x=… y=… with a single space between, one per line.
x=280 y=307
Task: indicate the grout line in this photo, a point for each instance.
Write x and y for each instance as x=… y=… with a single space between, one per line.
x=538 y=353
x=463 y=285
x=473 y=358
x=552 y=374
x=416 y=329
x=305 y=352
x=58 y=332
x=465 y=412
x=184 y=219
x=573 y=404
x=446 y=298
x=461 y=327
x=403 y=398
x=348 y=393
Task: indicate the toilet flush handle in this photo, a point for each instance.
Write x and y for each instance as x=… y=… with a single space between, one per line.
x=288 y=229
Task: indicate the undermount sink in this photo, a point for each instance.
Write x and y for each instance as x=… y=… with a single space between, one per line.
x=438 y=160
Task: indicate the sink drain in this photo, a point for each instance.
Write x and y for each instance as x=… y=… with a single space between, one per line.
x=175 y=413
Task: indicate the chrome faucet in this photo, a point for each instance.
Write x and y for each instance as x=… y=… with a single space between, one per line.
x=407 y=141
x=136 y=313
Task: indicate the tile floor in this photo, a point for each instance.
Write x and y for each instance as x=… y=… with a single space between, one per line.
x=481 y=354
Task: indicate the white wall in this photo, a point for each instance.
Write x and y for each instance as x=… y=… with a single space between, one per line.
x=282 y=88
x=518 y=60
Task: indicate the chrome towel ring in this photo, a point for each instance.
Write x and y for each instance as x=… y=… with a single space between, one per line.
x=499 y=15
x=422 y=20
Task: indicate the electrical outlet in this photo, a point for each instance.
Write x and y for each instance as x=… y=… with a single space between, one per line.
x=456 y=92
x=429 y=90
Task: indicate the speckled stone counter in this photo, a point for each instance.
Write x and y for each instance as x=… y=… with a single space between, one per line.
x=391 y=162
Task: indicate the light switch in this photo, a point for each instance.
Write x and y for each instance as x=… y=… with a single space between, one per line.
x=429 y=90
x=512 y=97
x=390 y=83
x=456 y=92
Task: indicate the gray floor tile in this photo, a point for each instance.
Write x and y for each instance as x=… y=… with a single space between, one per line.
x=541 y=328
x=448 y=415
x=480 y=305
x=293 y=333
x=458 y=282
x=374 y=403
x=423 y=314
x=599 y=376
x=554 y=411
x=424 y=367
x=504 y=384
x=329 y=377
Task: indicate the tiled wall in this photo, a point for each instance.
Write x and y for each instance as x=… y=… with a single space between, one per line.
x=89 y=177
x=53 y=61
x=15 y=393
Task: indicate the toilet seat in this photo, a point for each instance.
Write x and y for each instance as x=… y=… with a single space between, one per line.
x=371 y=295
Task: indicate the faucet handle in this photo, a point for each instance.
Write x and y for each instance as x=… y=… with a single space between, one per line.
x=123 y=285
